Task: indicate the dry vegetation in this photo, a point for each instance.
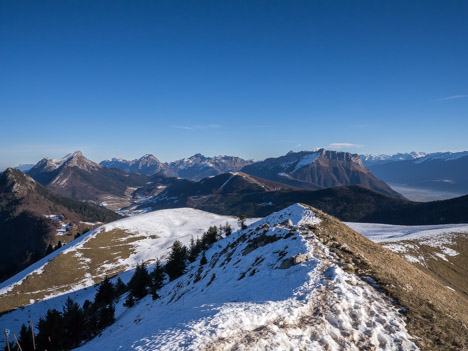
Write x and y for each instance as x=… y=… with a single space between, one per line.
x=453 y=271
x=435 y=314
x=98 y=257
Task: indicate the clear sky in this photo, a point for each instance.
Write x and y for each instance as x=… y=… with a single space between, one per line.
x=247 y=78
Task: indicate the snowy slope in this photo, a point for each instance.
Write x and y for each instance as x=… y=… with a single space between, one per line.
x=272 y=286
x=130 y=241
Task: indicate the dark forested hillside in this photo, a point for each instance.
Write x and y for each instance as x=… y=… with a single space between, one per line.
x=25 y=230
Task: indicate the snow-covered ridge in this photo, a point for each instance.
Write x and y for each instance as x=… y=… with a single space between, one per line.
x=271 y=286
x=297 y=214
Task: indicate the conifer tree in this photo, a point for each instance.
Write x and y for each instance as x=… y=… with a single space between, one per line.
x=227 y=229
x=73 y=325
x=157 y=279
x=241 y=221
x=120 y=287
x=210 y=237
x=105 y=293
x=106 y=316
x=25 y=338
x=49 y=250
x=176 y=264
x=51 y=331
x=139 y=283
x=203 y=260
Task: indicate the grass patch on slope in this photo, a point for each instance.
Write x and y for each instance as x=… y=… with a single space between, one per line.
x=452 y=271
x=435 y=314
x=89 y=264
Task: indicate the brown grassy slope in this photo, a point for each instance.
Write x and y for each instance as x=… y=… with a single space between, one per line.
x=435 y=314
x=451 y=271
x=97 y=258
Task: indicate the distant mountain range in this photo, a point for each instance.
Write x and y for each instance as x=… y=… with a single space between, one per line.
x=78 y=178
x=27 y=226
x=441 y=171
x=316 y=169
x=336 y=182
x=196 y=167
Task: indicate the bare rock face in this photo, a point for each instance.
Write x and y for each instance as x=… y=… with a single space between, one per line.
x=318 y=169
x=294 y=260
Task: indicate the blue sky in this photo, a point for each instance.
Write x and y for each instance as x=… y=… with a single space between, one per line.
x=247 y=78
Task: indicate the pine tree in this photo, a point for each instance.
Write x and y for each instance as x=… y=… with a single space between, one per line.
x=210 y=237
x=49 y=250
x=105 y=294
x=140 y=282
x=157 y=279
x=176 y=264
x=227 y=229
x=74 y=325
x=25 y=338
x=51 y=331
x=120 y=287
x=106 y=316
x=203 y=260
x=194 y=249
x=241 y=221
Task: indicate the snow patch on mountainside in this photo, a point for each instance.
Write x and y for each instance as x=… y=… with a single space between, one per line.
x=307 y=159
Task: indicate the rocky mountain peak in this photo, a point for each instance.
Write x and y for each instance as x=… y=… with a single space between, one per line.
x=74 y=159
x=14 y=181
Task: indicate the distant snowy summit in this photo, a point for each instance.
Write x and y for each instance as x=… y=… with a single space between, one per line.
x=418 y=157
x=195 y=167
x=443 y=172
x=372 y=159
